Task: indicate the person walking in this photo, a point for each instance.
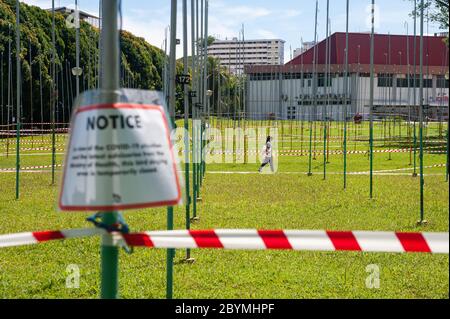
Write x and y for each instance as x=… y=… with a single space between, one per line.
x=267 y=155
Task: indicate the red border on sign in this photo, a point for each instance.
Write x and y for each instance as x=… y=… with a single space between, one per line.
x=130 y=206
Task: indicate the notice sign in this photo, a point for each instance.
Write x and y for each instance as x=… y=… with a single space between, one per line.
x=119 y=156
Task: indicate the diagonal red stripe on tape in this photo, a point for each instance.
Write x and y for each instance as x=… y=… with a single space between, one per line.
x=48 y=235
x=343 y=240
x=274 y=239
x=206 y=238
x=138 y=240
x=413 y=242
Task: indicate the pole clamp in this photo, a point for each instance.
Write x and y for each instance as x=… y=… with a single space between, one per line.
x=119 y=227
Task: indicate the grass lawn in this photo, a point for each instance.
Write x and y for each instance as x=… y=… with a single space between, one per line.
x=287 y=200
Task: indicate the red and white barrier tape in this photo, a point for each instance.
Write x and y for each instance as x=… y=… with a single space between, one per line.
x=22 y=239
x=34 y=130
x=41 y=149
x=397 y=169
x=305 y=152
x=304 y=240
x=48 y=142
x=29 y=168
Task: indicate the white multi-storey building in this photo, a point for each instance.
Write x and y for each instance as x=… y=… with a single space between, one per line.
x=235 y=54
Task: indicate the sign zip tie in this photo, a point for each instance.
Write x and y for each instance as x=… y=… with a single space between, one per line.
x=120 y=227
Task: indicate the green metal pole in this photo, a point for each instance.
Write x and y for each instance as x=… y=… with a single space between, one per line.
x=206 y=97
x=200 y=170
x=346 y=98
x=109 y=85
x=414 y=88
x=310 y=147
x=109 y=261
x=202 y=164
x=447 y=168
x=172 y=106
x=325 y=120
x=194 y=101
x=421 y=221
x=314 y=93
x=186 y=123
x=202 y=101
x=170 y=257
x=77 y=47
x=53 y=100
x=194 y=169
x=18 y=115
x=371 y=96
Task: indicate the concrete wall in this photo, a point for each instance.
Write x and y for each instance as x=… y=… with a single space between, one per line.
x=280 y=98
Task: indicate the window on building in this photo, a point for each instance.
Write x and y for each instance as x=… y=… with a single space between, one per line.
x=402 y=83
x=321 y=81
x=442 y=82
x=385 y=80
x=427 y=83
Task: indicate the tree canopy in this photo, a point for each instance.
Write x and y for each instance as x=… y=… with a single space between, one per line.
x=141 y=63
x=436 y=11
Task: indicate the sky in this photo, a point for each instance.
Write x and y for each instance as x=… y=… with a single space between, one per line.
x=289 y=20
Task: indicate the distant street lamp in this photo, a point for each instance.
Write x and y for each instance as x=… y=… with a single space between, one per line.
x=77 y=71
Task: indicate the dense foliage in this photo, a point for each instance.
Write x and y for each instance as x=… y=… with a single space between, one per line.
x=142 y=63
x=436 y=11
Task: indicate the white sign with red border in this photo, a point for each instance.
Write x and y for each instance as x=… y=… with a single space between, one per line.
x=119 y=156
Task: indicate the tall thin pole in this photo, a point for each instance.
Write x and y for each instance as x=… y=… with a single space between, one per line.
x=447 y=173
x=186 y=121
x=194 y=7
x=1 y=84
x=199 y=100
x=100 y=43
x=205 y=89
x=415 y=88
x=408 y=79
x=326 y=95
x=172 y=105
x=165 y=81
x=77 y=45
x=244 y=87
x=314 y=93
x=346 y=96
x=41 y=99
x=53 y=91
x=9 y=97
x=371 y=96
x=205 y=102
x=110 y=65
x=31 y=89
x=421 y=115
x=18 y=95
x=390 y=79
x=203 y=94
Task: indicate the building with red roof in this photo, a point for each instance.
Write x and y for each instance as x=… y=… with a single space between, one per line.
x=287 y=91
